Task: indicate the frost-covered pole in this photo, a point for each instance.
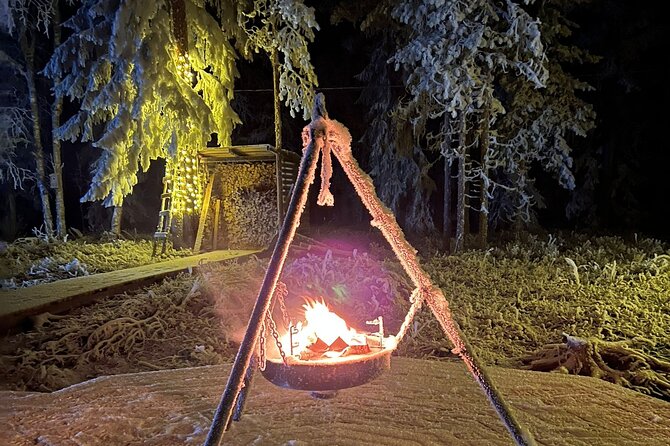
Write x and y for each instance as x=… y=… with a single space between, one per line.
x=257 y=318
x=339 y=140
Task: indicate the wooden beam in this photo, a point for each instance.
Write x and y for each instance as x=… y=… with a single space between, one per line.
x=63 y=295
x=215 y=236
x=203 y=214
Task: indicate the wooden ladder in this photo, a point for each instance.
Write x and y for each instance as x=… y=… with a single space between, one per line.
x=164 y=216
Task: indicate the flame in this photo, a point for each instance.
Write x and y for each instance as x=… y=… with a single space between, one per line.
x=321 y=323
x=325 y=324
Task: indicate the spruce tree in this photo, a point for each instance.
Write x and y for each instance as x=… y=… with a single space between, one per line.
x=539 y=125
x=123 y=66
x=449 y=55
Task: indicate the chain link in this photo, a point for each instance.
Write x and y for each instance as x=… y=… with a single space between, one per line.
x=280 y=294
x=261 y=348
x=273 y=331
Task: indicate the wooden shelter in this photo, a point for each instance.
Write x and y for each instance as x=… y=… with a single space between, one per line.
x=286 y=169
x=285 y=166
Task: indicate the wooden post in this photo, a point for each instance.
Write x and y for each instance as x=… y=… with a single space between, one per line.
x=215 y=232
x=203 y=215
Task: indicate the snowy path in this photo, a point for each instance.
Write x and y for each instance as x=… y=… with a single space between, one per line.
x=16 y=305
x=418 y=402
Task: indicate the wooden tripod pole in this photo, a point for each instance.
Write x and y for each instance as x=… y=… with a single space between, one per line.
x=284 y=239
x=383 y=218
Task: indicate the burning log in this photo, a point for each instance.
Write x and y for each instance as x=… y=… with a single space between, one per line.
x=324 y=334
x=339 y=348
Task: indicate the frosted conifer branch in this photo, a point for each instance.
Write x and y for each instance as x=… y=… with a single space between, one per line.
x=121 y=63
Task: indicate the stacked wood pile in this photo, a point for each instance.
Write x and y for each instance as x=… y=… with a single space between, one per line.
x=248 y=205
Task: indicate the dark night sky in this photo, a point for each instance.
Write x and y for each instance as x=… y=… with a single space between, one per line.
x=630 y=97
x=629 y=142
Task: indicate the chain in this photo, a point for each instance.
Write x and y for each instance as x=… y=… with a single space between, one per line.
x=280 y=294
x=261 y=349
x=273 y=331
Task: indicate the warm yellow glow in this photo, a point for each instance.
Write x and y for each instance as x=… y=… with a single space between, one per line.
x=321 y=323
x=327 y=325
x=187 y=181
x=183 y=67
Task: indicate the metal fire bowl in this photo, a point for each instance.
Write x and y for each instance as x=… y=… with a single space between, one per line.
x=327 y=374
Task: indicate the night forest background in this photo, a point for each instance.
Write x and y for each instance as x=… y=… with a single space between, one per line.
x=519 y=144
x=620 y=184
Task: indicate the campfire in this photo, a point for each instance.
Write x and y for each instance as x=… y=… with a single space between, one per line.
x=323 y=354
x=324 y=335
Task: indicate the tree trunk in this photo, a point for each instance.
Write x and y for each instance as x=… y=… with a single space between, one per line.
x=116 y=221
x=274 y=59
x=28 y=50
x=56 y=109
x=446 y=211
x=8 y=229
x=460 y=192
x=466 y=200
x=179 y=26
x=518 y=224
x=483 y=192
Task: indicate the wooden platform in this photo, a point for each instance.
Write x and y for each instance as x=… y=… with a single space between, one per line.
x=416 y=403
x=17 y=305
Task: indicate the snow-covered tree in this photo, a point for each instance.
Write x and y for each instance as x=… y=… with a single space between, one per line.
x=449 y=55
x=15 y=126
x=21 y=13
x=397 y=162
x=26 y=20
x=283 y=29
x=140 y=97
x=155 y=79
x=539 y=124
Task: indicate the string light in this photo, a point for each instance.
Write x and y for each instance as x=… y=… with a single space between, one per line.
x=188 y=181
x=184 y=68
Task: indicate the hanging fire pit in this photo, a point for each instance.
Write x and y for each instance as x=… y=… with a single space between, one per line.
x=324 y=354
x=321 y=362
